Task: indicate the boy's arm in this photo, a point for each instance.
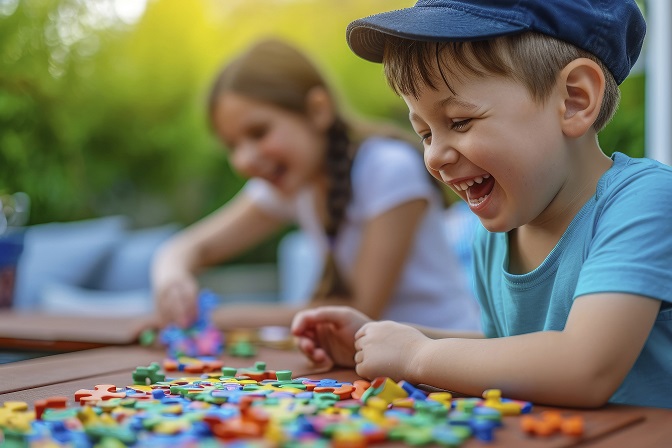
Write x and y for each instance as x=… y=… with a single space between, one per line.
x=580 y=366
x=438 y=333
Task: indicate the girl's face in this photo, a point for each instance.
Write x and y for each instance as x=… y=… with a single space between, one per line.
x=269 y=142
x=503 y=153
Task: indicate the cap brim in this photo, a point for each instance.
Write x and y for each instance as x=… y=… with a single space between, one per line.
x=366 y=37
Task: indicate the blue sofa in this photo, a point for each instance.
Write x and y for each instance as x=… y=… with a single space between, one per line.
x=93 y=267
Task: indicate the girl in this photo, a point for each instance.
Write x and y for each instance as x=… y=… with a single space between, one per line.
x=365 y=199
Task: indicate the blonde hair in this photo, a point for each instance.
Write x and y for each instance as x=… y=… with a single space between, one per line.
x=533 y=59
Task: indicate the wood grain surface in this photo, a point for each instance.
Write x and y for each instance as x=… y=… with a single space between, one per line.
x=63 y=374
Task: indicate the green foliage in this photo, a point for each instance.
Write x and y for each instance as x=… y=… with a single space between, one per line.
x=625 y=133
x=100 y=117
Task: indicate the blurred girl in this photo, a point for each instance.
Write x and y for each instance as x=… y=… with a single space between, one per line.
x=364 y=197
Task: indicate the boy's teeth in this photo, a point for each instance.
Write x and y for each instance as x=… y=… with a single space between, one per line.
x=475 y=202
x=462 y=186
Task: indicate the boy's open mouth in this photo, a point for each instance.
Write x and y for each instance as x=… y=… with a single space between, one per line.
x=477 y=189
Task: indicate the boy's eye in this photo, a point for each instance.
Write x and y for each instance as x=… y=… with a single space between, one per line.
x=460 y=125
x=426 y=139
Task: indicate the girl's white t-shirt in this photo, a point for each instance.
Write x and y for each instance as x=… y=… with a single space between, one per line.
x=433 y=289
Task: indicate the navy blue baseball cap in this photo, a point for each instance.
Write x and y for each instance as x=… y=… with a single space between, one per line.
x=612 y=30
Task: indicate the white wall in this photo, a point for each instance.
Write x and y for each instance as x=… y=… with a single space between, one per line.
x=658 y=66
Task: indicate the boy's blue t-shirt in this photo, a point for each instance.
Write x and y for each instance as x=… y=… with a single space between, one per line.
x=620 y=241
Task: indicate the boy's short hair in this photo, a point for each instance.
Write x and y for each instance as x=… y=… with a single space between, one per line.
x=608 y=32
x=530 y=58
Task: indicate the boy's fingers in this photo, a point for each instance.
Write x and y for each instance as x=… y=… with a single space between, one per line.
x=362 y=331
x=305 y=345
x=315 y=354
x=299 y=325
x=336 y=315
x=321 y=357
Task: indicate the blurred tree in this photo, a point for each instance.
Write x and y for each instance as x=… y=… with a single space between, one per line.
x=100 y=116
x=625 y=133
x=102 y=112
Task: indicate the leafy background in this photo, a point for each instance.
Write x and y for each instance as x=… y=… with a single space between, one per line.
x=102 y=101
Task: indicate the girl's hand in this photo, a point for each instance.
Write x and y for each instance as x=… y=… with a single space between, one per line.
x=326 y=335
x=387 y=349
x=176 y=296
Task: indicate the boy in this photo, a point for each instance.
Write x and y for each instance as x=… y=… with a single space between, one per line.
x=573 y=262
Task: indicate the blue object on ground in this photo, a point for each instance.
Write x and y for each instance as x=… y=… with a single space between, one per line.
x=11 y=247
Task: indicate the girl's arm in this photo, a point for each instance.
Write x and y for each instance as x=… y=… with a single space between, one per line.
x=581 y=366
x=225 y=233
x=387 y=241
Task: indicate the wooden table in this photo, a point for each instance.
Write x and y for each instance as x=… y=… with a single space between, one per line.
x=58 y=333
x=63 y=374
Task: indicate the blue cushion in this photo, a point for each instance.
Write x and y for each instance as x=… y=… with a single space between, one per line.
x=299 y=267
x=67 y=253
x=128 y=265
x=72 y=300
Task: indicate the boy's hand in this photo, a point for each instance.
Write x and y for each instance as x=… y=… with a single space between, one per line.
x=387 y=349
x=326 y=335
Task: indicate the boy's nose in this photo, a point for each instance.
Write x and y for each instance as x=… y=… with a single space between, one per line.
x=439 y=154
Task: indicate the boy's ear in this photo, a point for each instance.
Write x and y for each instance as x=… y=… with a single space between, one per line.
x=584 y=86
x=320 y=108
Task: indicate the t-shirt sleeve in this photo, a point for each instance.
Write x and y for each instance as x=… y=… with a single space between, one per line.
x=631 y=251
x=483 y=255
x=268 y=199
x=387 y=173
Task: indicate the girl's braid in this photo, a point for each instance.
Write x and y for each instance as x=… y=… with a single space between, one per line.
x=338 y=162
